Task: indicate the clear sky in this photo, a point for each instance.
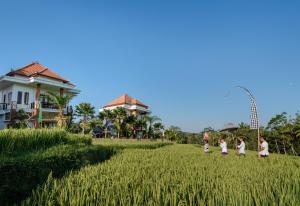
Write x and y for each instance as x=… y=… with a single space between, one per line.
x=180 y=57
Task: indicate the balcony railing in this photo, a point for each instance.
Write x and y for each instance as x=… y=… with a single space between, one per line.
x=45 y=105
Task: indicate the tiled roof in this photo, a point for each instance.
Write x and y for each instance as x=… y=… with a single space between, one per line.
x=36 y=69
x=125 y=99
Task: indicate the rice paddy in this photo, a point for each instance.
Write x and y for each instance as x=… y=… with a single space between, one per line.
x=176 y=175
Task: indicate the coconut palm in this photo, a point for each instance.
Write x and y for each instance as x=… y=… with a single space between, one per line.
x=119 y=119
x=151 y=120
x=107 y=117
x=173 y=133
x=87 y=112
x=61 y=101
x=158 y=127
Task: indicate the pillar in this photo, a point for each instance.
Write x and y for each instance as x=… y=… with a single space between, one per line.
x=36 y=106
x=61 y=92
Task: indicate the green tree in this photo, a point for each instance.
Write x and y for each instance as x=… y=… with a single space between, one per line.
x=158 y=127
x=107 y=117
x=173 y=133
x=150 y=121
x=22 y=119
x=119 y=120
x=61 y=101
x=87 y=112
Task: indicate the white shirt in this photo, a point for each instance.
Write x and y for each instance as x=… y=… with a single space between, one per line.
x=224 y=147
x=242 y=148
x=265 y=149
x=206 y=148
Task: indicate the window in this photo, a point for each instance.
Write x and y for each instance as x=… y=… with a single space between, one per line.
x=4 y=98
x=26 y=98
x=9 y=97
x=19 y=100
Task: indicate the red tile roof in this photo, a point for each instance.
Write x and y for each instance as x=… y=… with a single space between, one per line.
x=35 y=69
x=125 y=99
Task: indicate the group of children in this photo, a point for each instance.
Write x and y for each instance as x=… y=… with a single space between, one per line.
x=241 y=147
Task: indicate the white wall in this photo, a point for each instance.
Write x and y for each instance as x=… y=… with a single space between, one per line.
x=5 y=91
x=23 y=89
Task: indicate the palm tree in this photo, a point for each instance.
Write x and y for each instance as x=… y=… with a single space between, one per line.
x=86 y=111
x=119 y=119
x=158 y=127
x=151 y=120
x=173 y=133
x=61 y=101
x=141 y=125
x=107 y=117
x=131 y=125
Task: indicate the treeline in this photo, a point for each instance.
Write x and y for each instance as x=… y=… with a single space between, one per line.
x=282 y=133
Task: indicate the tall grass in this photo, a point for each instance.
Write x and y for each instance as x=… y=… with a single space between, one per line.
x=177 y=175
x=12 y=140
x=131 y=144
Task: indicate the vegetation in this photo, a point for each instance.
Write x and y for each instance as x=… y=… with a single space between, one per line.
x=61 y=101
x=130 y=126
x=21 y=140
x=28 y=156
x=177 y=175
x=87 y=112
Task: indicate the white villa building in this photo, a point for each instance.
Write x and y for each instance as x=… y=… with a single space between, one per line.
x=27 y=88
x=132 y=106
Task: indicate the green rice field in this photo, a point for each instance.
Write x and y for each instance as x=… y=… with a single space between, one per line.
x=175 y=175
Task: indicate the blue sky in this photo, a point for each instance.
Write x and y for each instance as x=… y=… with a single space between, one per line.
x=180 y=57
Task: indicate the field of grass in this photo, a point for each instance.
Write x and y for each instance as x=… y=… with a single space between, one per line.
x=28 y=157
x=175 y=175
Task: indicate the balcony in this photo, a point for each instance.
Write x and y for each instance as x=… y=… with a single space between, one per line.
x=51 y=107
x=46 y=105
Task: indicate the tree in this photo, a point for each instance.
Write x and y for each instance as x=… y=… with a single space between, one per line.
x=61 y=101
x=281 y=130
x=151 y=120
x=22 y=119
x=131 y=125
x=86 y=111
x=140 y=126
x=173 y=133
x=107 y=117
x=158 y=127
x=119 y=117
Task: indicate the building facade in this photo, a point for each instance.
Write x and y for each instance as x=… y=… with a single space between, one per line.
x=28 y=88
x=131 y=105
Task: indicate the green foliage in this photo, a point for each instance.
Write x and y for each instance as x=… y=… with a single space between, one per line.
x=128 y=125
x=87 y=112
x=61 y=101
x=174 y=133
x=22 y=119
x=29 y=156
x=177 y=175
x=19 y=175
x=12 y=140
x=25 y=140
x=132 y=144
